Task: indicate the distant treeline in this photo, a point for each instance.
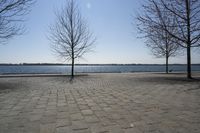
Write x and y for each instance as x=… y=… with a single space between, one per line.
x=60 y=64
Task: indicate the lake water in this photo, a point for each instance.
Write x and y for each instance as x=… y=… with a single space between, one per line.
x=62 y=69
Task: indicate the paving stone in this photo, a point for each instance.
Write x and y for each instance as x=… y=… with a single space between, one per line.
x=106 y=122
x=114 y=129
x=62 y=109
x=13 y=113
x=40 y=106
x=32 y=127
x=3 y=127
x=97 y=128
x=132 y=130
x=95 y=108
x=82 y=131
x=107 y=109
x=38 y=111
x=47 y=128
x=79 y=125
x=66 y=129
x=48 y=119
x=35 y=117
x=84 y=107
x=62 y=115
x=100 y=113
x=91 y=119
x=116 y=116
x=87 y=112
x=76 y=116
x=73 y=110
x=103 y=103
x=18 y=108
x=62 y=122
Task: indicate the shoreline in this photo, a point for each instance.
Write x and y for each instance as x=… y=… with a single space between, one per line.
x=161 y=74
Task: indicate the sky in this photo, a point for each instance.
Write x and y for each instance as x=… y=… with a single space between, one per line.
x=112 y=22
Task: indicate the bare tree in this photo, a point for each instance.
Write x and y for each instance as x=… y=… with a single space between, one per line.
x=162 y=46
x=70 y=35
x=11 y=13
x=186 y=14
x=157 y=39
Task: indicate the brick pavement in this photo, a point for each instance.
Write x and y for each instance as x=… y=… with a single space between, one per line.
x=100 y=103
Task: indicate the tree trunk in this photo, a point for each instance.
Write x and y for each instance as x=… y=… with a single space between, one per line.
x=188 y=40
x=189 y=62
x=72 y=68
x=167 y=53
x=167 y=63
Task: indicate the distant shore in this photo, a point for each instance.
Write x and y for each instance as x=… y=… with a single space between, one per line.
x=61 y=64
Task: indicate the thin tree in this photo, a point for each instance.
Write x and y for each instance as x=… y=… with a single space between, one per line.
x=70 y=35
x=162 y=46
x=186 y=14
x=11 y=13
x=157 y=39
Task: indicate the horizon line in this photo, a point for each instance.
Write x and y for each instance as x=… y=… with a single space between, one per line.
x=96 y=64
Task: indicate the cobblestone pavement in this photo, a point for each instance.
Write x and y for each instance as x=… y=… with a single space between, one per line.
x=100 y=103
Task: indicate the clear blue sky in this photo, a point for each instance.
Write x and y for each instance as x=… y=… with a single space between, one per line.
x=109 y=20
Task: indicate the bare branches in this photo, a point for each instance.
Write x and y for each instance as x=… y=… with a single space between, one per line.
x=151 y=26
x=187 y=22
x=187 y=15
x=70 y=36
x=11 y=12
x=180 y=19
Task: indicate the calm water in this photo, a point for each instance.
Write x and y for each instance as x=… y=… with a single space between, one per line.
x=58 y=69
